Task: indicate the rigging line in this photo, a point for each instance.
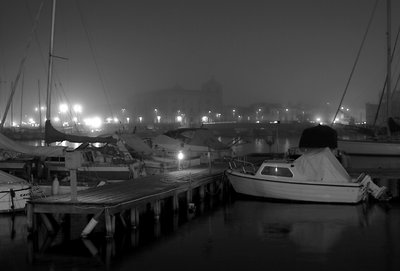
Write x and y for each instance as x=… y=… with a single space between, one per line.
x=94 y=57
x=42 y=57
x=22 y=64
x=356 y=60
x=385 y=83
x=391 y=60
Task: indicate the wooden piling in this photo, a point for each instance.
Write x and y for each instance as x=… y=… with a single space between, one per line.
x=134 y=217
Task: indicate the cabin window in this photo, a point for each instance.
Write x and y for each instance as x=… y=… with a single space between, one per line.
x=277 y=171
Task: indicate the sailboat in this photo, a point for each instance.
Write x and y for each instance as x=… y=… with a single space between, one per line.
x=109 y=161
x=14 y=192
x=376 y=152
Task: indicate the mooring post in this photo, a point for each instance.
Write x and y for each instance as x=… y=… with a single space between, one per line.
x=201 y=192
x=157 y=209
x=73 y=160
x=135 y=217
x=30 y=218
x=109 y=223
x=175 y=203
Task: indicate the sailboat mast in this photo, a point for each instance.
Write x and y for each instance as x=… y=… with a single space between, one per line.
x=50 y=68
x=40 y=107
x=389 y=60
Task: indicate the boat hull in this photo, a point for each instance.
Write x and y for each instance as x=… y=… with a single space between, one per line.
x=248 y=184
x=16 y=201
x=370 y=148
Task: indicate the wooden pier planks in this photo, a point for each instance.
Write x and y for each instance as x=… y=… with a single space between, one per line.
x=124 y=195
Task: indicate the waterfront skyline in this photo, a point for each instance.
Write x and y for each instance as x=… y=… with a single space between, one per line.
x=260 y=51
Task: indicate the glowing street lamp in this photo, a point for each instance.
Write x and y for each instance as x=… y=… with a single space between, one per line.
x=77 y=108
x=180 y=157
x=63 y=108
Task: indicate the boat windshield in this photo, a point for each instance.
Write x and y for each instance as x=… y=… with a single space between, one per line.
x=277 y=171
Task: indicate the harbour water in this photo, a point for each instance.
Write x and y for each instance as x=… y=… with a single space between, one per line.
x=235 y=234
x=239 y=234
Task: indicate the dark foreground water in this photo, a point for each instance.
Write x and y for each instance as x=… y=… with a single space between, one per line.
x=240 y=235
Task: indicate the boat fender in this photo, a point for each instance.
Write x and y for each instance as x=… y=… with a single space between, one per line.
x=90 y=226
x=55 y=186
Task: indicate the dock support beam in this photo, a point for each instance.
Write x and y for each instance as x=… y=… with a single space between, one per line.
x=175 y=203
x=157 y=209
x=30 y=218
x=135 y=218
x=110 y=223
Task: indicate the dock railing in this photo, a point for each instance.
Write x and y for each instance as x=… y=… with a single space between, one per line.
x=242 y=165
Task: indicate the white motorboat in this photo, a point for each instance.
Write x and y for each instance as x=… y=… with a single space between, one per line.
x=316 y=176
x=14 y=192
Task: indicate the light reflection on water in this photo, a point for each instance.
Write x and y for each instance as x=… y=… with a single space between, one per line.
x=250 y=234
x=260 y=145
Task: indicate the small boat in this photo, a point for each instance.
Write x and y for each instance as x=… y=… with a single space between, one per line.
x=316 y=176
x=14 y=192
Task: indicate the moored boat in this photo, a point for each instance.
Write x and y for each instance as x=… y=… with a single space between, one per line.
x=14 y=192
x=316 y=176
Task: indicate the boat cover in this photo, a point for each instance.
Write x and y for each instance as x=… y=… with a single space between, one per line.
x=136 y=144
x=165 y=140
x=8 y=181
x=321 y=165
x=197 y=137
x=319 y=136
x=7 y=144
x=53 y=135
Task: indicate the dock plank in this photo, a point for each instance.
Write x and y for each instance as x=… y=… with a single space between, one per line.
x=127 y=193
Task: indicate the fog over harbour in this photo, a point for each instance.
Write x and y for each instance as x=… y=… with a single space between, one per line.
x=272 y=51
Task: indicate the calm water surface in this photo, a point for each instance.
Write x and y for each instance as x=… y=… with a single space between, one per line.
x=242 y=234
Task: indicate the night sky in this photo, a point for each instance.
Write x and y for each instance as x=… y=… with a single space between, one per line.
x=286 y=51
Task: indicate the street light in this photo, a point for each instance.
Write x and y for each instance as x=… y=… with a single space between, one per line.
x=77 y=108
x=63 y=108
x=180 y=157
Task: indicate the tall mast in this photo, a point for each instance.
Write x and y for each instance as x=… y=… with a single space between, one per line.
x=40 y=107
x=50 y=68
x=389 y=60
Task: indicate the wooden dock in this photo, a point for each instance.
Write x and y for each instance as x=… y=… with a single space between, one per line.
x=124 y=200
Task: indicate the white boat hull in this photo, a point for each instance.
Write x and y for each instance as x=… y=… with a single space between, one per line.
x=370 y=148
x=12 y=202
x=248 y=184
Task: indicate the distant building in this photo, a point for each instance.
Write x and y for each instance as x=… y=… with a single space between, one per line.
x=177 y=104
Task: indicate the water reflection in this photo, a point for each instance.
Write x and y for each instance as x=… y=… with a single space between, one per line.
x=312 y=228
x=234 y=236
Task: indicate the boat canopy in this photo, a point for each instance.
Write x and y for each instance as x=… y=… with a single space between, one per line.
x=136 y=144
x=197 y=137
x=321 y=165
x=7 y=144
